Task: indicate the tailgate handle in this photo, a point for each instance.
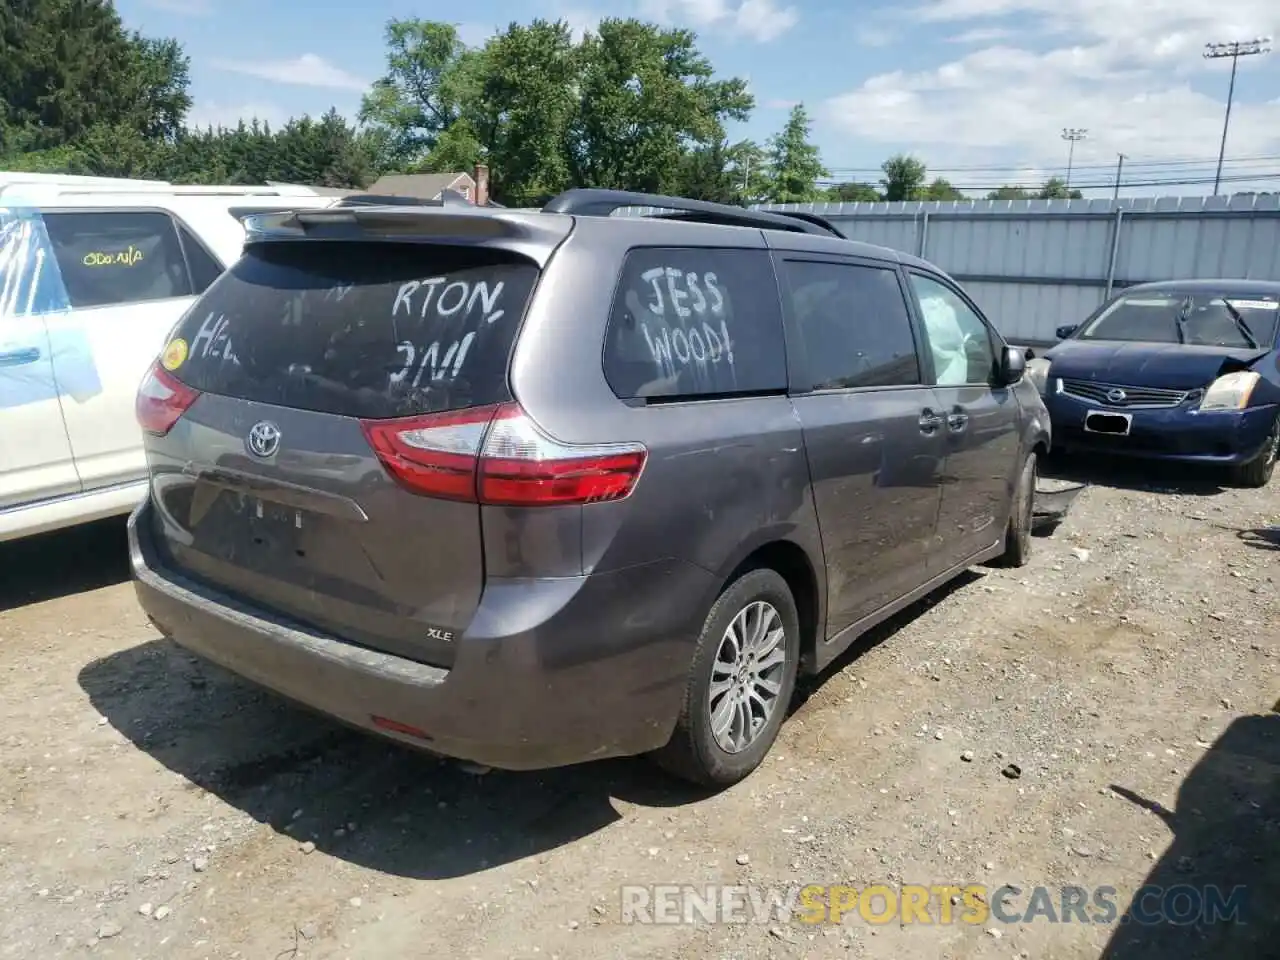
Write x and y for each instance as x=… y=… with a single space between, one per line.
x=280 y=491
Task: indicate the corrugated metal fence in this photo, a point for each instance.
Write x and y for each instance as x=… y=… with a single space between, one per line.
x=1034 y=265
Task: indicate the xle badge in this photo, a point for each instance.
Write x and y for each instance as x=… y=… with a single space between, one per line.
x=435 y=633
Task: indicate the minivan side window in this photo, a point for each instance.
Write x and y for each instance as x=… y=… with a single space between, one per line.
x=853 y=324
x=204 y=268
x=958 y=338
x=691 y=322
x=114 y=257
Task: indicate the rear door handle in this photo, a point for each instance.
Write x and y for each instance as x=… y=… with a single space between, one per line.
x=957 y=420
x=20 y=357
x=930 y=421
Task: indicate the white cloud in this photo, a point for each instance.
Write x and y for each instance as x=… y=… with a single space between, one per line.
x=982 y=35
x=758 y=20
x=1121 y=68
x=208 y=113
x=308 y=70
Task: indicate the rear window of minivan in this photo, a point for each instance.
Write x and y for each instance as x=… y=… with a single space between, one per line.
x=357 y=329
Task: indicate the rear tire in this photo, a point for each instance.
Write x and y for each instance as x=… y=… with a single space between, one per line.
x=756 y=605
x=1017 y=537
x=1257 y=472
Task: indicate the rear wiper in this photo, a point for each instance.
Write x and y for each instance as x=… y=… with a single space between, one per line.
x=1243 y=327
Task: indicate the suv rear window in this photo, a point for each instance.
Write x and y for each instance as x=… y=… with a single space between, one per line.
x=691 y=322
x=358 y=329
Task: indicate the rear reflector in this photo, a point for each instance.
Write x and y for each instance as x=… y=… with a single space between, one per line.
x=498 y=455
x=162 y=400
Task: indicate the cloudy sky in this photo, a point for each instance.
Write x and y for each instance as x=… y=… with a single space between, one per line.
x=979 y=89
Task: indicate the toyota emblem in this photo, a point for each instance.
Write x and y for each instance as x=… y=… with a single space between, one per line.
x=1117 y=395
x=263 y=440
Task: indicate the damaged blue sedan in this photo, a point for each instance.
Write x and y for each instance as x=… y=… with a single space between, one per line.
x=1181 y=370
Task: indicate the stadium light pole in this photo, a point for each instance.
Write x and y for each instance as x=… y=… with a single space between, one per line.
x=1235 y=50
x=1071 y=135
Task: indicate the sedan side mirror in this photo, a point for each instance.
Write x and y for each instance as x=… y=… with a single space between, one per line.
x=1068 y=330
x=1013 y=364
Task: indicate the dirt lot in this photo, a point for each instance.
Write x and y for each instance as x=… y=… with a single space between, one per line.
x=154 y=806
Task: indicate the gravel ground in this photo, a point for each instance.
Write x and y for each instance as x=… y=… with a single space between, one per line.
x=154 y=806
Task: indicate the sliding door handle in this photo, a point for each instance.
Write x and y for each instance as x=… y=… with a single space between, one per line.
x=930 y=421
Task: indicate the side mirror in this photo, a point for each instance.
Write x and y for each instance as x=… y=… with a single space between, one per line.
x=1013 y=364
x=1068 y=330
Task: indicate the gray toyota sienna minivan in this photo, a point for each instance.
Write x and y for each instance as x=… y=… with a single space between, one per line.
x=531 y=488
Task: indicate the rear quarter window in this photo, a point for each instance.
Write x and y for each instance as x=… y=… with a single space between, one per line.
x=691 y=322
x=357 y=329
x=116 y=257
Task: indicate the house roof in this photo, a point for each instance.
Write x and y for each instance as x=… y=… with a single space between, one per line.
x=425 y=186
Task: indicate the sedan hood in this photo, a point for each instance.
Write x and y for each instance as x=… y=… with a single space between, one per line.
x=1171 y=366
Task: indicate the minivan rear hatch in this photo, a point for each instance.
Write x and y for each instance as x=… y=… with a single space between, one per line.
x=269 y=487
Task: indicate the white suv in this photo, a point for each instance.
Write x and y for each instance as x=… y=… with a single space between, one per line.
x=93 y=275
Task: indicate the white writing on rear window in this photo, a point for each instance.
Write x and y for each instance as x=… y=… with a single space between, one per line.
x=439 y=360
x=689 y=322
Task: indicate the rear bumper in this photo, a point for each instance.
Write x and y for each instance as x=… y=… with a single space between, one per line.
x=1180 y=433
x=550 y=672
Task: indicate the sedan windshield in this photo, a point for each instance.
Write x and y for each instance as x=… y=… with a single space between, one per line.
x=1197 y=319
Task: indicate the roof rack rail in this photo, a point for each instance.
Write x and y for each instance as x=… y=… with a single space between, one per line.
x=590 y=202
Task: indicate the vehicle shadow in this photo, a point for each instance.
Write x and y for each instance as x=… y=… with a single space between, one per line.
x=1261 y=538
x=58 y=564
x=1126 y=474
x=370 y=801
x=1225 y=854
x=355 y=796
x=808 y=686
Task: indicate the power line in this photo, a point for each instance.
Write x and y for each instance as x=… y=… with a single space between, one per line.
x=1101 y=184
x=1129 y=162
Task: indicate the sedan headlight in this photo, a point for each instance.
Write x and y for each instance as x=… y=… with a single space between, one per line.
x=1231 y=391
x=1038 y=373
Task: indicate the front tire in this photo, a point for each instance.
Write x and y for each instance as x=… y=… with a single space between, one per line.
x=1257 y=472
x=740 y=683
x=1017 y=537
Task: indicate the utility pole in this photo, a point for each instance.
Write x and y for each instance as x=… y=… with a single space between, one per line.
x=1235 y=50
x=1119 y=168
x=1071 y=135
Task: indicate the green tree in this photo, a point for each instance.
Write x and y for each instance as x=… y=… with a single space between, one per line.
x=1009 y=193
x=67 y=66
x=904 y=177
x=646 y=95
x=518 y=107
x=1055 y=188
x=853 y=193
x=941 y=189
x=418 y=98
x=795 y=164
x=749 y=170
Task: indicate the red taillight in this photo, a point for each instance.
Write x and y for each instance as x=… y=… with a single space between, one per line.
x=497 y=455
x=162 y=400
